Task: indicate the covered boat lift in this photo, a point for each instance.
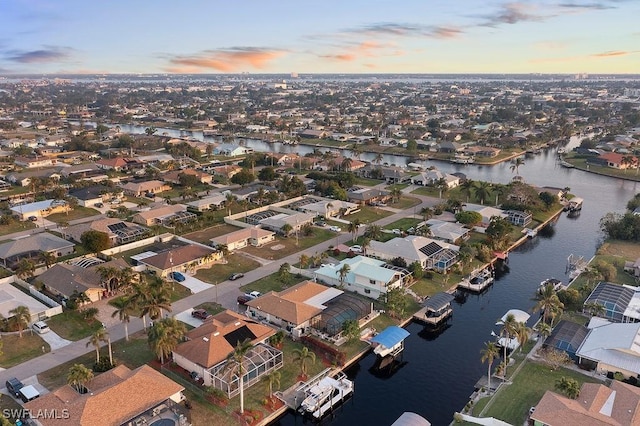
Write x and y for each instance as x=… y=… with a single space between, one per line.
x=436 y=309
x=389 y=341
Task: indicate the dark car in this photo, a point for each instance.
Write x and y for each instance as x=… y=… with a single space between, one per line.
x=244 y=298
x=14 y=385
x=177 y=276
x=33 y=218
x=200 y=314
x=236 y=276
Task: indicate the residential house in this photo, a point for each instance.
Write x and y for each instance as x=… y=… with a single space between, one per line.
x=367 y=276
x=117 y=164
x=250 y=192
x=254 y=236
x=226 y=172
x=91 y=195
x=83 y=171
x=616 y=160
x=174 y=176
x=567 y=336
x=277 y=221
x=231 y=150
x=25 y=178
x=65 y=280
x=429 y=253
x=482 y=151
x=450 y=147
x=327 y=208
x=138 y=189
x=213 y=202
x=120 y=396
x=207 y=347
x=33 y=162
x=449 y=232
x=40 y=209
x=597 y=405
x=363 y=196
x=118 y=231
x=519 y=218
x=621 y=302
x=164 y=215
x=435 y=177
x=314 y=134
x=182 y=258
x=32 y=247
x=633 y=267
x=486 y=212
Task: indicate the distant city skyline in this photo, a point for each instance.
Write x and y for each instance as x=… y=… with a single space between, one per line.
x=352 y=36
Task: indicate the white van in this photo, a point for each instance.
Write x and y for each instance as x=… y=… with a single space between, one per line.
x=41 y=327
x=28 y=393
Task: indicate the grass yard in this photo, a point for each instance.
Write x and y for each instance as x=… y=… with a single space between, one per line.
x=512 y=403
x=204 y=236
x=625 y=249
x=71 y=326
x=403 y=224
x=78 y=212
x=360 y=181
x=368 y=214
x=211 y=307
x=16 y=349
x=221 y=271
x=16 y=227
x=428 y=287
x=405 y=203
x=289 y=243
x=428 y=191
x=133 y=354
x=10 y=406
x=396 y=186
x=271 y=283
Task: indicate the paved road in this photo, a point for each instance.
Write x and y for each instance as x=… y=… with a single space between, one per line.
x=224 y=293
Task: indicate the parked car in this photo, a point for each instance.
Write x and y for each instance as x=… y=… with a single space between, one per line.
x=177 y=276
x=236 y=276
x=356 y=249
x=41 y=327
x=335 y=228
x=33 y=218
x=28 y=393
x=201 y=314
x=13 y=386
x=99 y=205
x=255 y=294
x=396 y=231
x=244 y=298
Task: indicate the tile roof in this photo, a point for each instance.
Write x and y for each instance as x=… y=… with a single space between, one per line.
x=289 y=304
x=162 y=211
x=115 y=397
x=210 y=343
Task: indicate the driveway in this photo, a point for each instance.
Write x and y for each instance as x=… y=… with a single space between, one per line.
x=194 y=284
x=185 y=317
x=54 y=340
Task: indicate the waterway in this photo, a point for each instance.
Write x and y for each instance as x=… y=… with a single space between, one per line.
x=439 y=371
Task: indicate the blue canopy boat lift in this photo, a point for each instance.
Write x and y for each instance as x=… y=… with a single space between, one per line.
x=435 y=309
x=389 y=341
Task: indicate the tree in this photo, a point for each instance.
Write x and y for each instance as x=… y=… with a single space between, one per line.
x=304 y=261
x=235 y=366
x=548 y=302
x=373 y=232
x=427 y=213
x=268 y=174
x=150 y=130
x=482 y=191
x=78 y=377
x=351 y=329
x=352 y=227
x=48 y=258
x=152 y=299
x=302 y=356
x=470 y=218
x=124 y=310
x=165 y=335
x=515 y=165
x=273 y=380
x=243 y=177
x=595 y=309
x=99 y=336
x=25 y=268
x=522 y=334
x=378 y=158
x=498 y=231
x=547 y=198
x=416 y=270
x=489 y=354
x=284 y=273
x=286 y=229
x=568 y=386
x=346 y=164
x=109 y=276
x=94 y=241
x=395 y=302
x=396 y=193
x=509 y=331
x=467 y=188
x=342 y=273
x=21 y=317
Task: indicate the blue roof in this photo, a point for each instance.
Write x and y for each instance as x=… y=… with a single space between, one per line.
x=391 y=336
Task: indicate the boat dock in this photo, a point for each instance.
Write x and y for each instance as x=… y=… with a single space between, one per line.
x=478 y=280
x=294 y=396
x=435 y=309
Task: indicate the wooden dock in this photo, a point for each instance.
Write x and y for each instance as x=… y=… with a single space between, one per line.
x=293 y=396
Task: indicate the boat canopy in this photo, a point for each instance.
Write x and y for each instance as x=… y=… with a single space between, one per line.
x=390 y=336
x=411 y=419
x=438 y=301
x=520 y=316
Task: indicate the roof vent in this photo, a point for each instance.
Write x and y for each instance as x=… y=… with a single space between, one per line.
x=217 y=333
x=237 y=323
x=205 y=339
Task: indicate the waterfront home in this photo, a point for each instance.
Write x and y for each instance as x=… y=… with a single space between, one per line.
x=435 y=177
x=367 y=276
x=32 y=247
x=120 y=396
x=231 y=150
x=597 y=405
x=206 y=349
x=567 y=336
x=182 y=259
x=118 y=231
x=616 y=160
x=482 y=151
x=40 y=209
x=362 y=196
x=138 y=189
x=486 y=212
x=254 y=236
x=519 y=218
x=429 y=253
x=447 y=231
x=621 y=303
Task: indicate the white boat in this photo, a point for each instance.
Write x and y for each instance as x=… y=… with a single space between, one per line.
x=531 y=232
x=557 y=284
x=327 y=393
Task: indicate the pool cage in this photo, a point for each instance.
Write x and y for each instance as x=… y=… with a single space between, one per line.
x=260 y=360
x=339 y=310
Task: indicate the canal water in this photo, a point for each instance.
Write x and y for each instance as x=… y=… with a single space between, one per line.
x=438 y=372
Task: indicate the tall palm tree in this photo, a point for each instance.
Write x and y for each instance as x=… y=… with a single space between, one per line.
x=25 y=268
x=109 y=276
x=230 y=201
x=482 y=190
x=273 y=380
x=99 y=336
x=522 y=334
x=235 y=366
x=467 y=188
x=373 y=231
x=544 y=330
x=304 y=261
x=48 y=258
x=21 y=317
x=427 y=213
x=124 y=310
x=153 y=300
x=301 y=356
x=352 y=227
x=342 y=273
x=165 y=335
x=396 y=193
x=378 y=158
x=346 y=164
x=515 y=165
x=365 y=244
x=548 y=301
x=489 y=354
x=509 y=330
x=78 y=377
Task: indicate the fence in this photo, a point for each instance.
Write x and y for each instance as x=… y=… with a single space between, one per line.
x=130 y=246
x=53 y=307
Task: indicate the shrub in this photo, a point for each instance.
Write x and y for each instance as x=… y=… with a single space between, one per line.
x=618 y=376
x=103 y=365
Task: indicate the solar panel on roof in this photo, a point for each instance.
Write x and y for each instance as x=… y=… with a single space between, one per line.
x=239 y=335
x=431 y=249
x=116 y=226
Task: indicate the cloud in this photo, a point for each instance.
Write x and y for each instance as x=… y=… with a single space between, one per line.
x=512 y=13
x=611 y=53
x=46 y=55
x=225 y=60
x=550 y=45
x=343 y=57
x=364 y=49
x=406 y=30
x=585 y=6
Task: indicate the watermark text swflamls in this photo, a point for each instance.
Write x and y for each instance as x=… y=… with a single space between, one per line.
x=22 y=413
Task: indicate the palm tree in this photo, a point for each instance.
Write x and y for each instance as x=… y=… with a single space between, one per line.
x=48 y=258
x=378 y=158
x=489 y=354
x=515 y=165
x=396 y=193
x=235 y=366
x=346 y=164
x=304 y=261
x=595 y=309
x=230 y=201
x=547 y=301
x=286 y=229
x=152 y=299
x=343 y=272
x=78 y=377
x=98 y=336
x=509 y=330
x=301 y=356
x=273 y=380
x=427 y=213
x=25 y=269
x=150 y=130
x=467 y=188
x=21 y=317
x=109 y=276
x=124 y=311
x=544 y=330
x=522 y=334
x=165 y=335
x=365 y=244
x=352 y=227
x=373 y=231
x=568 y=386
x=482 y=190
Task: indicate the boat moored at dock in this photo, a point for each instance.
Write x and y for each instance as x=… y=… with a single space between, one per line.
x=325 y=395
x=435 y=309
x=478 y=280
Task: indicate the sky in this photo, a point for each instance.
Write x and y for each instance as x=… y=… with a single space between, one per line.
x=308 y=36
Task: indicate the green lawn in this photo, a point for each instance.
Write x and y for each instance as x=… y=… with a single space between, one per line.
x=71 y=326
x=16 y=226
x=78 y=212
x=512 y=403
x=581 y=163
x=360 y=181
x=429 y=191
x=16 y=349
x=211 y=307
x=405 y=202
x=10 y=404
x=221 y=271
x=290 y=245
x=270 y=283
x=397 y=185
x=204 y=236
x=403 y=224
x=428 y=287
x=368 y=214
